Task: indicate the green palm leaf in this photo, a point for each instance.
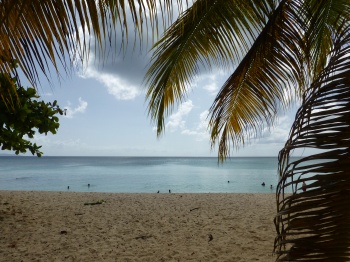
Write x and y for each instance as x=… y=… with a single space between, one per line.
x=210 y=32
x=265 y=78
x=320 y=18
x=318 y=35
x=44 y=34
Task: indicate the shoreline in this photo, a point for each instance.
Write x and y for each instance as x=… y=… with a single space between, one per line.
x=90 y=226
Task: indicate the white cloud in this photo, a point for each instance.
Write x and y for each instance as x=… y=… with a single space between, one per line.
x=71 y=111
x=49 y=142
x=212 y=81
x=119 y=68
x=46 y=94
x=176 y=120
x=201 y=131
x=277 y=134
x=117 y=86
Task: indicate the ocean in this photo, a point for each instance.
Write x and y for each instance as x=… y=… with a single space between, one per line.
x=139 y=174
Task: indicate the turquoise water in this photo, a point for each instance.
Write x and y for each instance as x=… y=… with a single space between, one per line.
x=138 y=174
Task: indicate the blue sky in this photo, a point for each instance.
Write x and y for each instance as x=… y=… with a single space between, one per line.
x=107 y=114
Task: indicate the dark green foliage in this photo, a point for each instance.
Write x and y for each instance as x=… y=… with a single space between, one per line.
x=22 y=114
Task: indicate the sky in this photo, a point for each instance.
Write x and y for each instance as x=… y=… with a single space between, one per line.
x=107 y=114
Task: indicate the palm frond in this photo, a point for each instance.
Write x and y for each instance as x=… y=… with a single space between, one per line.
x=321 y=17
x=264 y=79
x=210 y=32
x=42 y=34
x=313 y=221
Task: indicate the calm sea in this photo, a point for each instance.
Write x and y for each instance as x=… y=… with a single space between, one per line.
x=139 y=174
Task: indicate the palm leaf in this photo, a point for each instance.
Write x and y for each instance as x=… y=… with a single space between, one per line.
x=313 y=225
x=264 y=79
x=210 y=32
x=44 y=34
x=321 y=16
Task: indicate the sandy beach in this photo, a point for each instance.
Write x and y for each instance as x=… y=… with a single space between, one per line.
x=68 y=226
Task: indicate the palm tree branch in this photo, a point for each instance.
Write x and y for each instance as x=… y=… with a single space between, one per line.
x=40 y=33
x=269 y=70
x=321 y=16
x=210 y=32
x=311 y=224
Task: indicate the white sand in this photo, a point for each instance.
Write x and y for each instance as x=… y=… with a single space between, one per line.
x=57 y=226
